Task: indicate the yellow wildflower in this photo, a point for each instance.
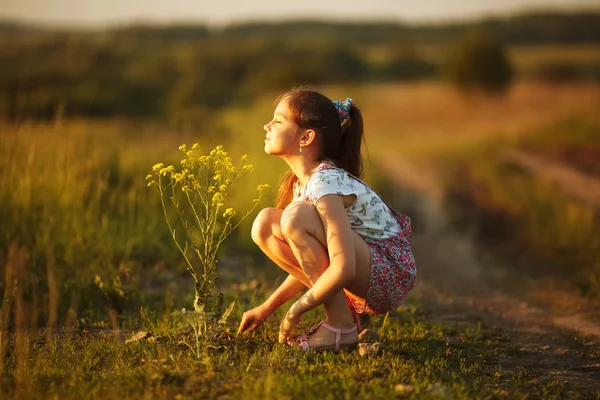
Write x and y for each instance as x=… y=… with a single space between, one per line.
x=194 y=146
x=166 y=170
x=183 y=147
x=158 y=166
x=230 y=212
x=178 y=177
x=218 y=199
x=248 y=168
x=149 y=176
x=263 y=188
x=245 y=158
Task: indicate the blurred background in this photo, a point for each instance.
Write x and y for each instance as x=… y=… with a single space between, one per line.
x=482 y=124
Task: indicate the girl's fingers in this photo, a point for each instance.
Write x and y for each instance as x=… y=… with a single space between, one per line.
x=283 y=335
x=243 y=325
x=248 y=326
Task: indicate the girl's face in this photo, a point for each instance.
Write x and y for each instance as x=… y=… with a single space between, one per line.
x=283 y=134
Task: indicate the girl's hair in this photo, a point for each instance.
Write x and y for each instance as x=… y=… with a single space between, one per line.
x=338 y=142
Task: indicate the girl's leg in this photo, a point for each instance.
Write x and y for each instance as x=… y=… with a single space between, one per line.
x=307 y=258
x=266 y=233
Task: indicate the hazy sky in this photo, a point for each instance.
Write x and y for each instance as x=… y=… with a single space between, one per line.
x=100 y=12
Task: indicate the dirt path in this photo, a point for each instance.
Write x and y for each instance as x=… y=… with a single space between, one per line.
x=544 y=348
x=557 y=332
x=567 y=179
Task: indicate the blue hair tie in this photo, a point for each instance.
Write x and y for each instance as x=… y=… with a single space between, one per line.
x=343 y=108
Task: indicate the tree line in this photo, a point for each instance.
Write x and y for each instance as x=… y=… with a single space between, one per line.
x=183 y=72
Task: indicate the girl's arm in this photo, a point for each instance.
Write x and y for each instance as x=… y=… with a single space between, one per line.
x=288 y=289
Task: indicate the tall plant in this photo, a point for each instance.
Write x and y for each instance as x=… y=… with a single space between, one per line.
x=196 y=194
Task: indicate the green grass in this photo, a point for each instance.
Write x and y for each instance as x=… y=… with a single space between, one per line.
x=436 y=359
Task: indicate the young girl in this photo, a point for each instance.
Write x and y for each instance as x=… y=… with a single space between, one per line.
x=331 y=232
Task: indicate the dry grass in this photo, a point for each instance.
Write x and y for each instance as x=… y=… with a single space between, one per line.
x=526 y=58
x=413 y=125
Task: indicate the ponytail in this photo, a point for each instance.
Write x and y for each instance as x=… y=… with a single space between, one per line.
x=347 y=154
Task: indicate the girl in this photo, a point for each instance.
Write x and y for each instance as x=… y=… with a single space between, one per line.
x=330 y=231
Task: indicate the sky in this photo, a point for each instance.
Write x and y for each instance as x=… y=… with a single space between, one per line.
x=113 y=12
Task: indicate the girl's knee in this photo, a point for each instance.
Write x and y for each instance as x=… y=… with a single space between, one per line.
x=297 y=217
x=262 y=227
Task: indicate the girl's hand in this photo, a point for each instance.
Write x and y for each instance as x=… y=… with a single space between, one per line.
x=290 y=321
x=252 y=319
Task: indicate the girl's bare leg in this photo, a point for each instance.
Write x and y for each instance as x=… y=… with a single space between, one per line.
x=266 y=233
x=307 y=258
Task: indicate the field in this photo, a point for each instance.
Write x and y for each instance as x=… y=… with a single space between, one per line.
x=506 y=246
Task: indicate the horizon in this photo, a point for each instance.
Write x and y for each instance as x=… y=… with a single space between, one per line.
x=24 y=13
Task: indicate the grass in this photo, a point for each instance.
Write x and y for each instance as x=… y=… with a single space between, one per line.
x=526 y=59
x=86 y=258
x=524 y=217
x=435 y=360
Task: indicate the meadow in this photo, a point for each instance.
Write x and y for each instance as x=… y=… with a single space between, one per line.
x=87 y=259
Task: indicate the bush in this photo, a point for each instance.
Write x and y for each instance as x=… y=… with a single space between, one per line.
x=477 y=63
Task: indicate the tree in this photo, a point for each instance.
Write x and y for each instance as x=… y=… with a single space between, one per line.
x=475 y=62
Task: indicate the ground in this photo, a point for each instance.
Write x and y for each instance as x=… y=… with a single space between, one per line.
x=555 y=330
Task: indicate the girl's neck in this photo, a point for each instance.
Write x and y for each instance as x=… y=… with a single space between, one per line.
x=303 y=168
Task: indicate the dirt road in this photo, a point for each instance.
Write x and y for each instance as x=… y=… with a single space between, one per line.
x=557 y=331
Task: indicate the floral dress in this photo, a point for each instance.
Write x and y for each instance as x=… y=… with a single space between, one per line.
x=387 y=232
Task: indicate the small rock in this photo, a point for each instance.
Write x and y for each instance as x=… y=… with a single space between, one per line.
x=404 y=389
x=137 y=337
x=438 y=390
x=370 y=349
x=368 y=336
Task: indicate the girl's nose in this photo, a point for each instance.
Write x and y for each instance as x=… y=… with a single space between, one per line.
x=265 y=127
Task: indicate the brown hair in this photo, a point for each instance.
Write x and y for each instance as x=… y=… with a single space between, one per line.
x=338 y=142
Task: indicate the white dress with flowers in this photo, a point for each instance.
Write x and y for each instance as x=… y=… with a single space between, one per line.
x=368 y=215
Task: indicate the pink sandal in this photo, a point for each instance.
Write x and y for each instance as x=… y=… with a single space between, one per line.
x=301 y=341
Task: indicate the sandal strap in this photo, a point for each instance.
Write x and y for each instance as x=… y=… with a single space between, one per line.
x=338 y=332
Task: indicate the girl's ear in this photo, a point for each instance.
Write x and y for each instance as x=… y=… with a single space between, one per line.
x=308 y=137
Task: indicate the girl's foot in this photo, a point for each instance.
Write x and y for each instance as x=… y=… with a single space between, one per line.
x=326 y=337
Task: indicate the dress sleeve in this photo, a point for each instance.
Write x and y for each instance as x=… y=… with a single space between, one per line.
x=329 y=181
